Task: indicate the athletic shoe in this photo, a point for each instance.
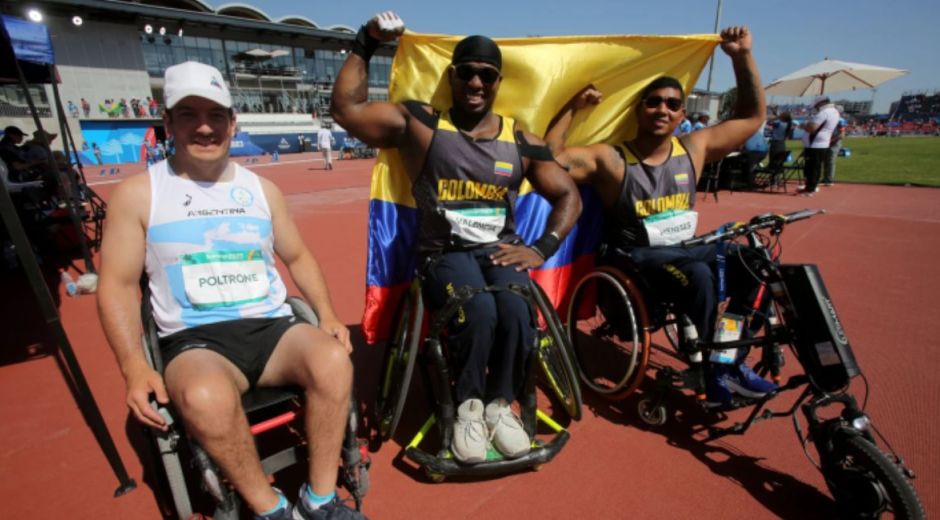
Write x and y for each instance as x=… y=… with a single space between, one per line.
x=826 y=184
x=469 y=445
x=335 y=509
x=723 y=382
x=753 y=382
x=284 y=513
x=506 y=431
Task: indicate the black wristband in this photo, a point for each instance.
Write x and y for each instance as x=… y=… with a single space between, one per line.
x=364 y=45
x=547 y=245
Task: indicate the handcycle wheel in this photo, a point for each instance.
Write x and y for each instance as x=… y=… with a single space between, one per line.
x=866 y=483
x=556 y=357
x=608 y=326
x=400 y=356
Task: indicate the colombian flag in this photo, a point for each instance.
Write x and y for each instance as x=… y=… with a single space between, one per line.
x=540 y=75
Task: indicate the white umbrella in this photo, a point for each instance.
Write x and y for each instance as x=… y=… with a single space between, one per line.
x=277 y=53
x=832 y=76
x=258 y=53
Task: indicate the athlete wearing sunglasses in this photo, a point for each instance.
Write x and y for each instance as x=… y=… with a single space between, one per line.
x=466 y=166
x=647 y=189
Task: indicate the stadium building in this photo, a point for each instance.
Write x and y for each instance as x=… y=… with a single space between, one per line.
x=111 y=55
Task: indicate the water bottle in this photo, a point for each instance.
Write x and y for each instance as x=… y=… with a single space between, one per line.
x=69 y=283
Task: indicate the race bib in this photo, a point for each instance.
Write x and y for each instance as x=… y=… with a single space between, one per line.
x=728 y=329
x=224 y=278
x=670 y=227
x=476 y=225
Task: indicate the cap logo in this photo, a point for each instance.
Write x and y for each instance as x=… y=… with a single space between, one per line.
x=215 y=83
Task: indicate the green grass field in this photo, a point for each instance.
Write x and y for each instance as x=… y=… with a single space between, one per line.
x=888 y=160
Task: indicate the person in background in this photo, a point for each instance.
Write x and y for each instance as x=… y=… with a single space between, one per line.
x=701 y=123
x=835 y=145
x=819 y=130
x=781 y=129
x=325 y=142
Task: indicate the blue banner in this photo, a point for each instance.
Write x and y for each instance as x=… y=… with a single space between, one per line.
x=113 y=142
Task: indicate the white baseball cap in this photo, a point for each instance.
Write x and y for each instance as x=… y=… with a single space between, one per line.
x=192 y=78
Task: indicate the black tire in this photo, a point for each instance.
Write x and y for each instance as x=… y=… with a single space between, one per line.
x=865 y=483
x=608 y=328
x=397 y=370
x=556 y=357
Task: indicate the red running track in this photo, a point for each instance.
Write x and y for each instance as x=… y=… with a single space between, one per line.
x=876 y=248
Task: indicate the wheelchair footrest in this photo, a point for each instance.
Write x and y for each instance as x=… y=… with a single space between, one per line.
x=451 y=467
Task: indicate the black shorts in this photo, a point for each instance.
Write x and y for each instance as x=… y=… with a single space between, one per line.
x=248 y=343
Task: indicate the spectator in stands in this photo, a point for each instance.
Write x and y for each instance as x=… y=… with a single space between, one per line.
x=781 y=129
x=152 y=105
x=835 y=144
x=701 y=123
x=123 y=104
x=818 y=131
x=73 y=109
x=135 y=107
x=86 y=107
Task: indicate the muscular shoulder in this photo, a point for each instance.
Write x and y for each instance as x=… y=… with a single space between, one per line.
x=131 y=199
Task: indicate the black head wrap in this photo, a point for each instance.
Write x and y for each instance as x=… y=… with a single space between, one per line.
x=478 y=48
x=663 y=82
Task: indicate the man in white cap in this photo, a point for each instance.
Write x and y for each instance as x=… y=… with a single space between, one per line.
x=818 y=130
x=206 y=231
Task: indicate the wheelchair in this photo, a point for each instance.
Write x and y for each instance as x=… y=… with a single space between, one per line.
x=613 y=314
x=267 y=409
x=418 y=334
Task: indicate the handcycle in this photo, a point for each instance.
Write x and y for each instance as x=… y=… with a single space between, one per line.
x=267 y=408
x=613 y=314
x=416 y=336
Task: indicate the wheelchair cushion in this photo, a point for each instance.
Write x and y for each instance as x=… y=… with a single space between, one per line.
x=263 y=397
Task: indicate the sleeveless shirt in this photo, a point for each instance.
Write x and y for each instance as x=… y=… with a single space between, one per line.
x=466 y=191
x=647 y=191
x=210 y=251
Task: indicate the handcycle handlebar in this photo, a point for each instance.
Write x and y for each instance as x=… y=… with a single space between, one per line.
x=763 y=221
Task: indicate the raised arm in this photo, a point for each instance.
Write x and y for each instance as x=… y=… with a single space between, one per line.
x=583 y=161
x=377 y=123
x=713 y=143
x=303 y=267
x=122 y=262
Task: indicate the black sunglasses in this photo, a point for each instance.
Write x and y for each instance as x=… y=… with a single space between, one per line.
x=672 y=103
x=466 y=72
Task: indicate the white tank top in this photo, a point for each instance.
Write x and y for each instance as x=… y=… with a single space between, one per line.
x=210 y=251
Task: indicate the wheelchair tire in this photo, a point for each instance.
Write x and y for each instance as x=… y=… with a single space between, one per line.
x=608 y=326
x=865 y=483
x=400 y=356
x=556 y=357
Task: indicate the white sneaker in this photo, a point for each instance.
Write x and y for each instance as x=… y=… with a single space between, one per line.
x=506 y=431
x=470 y=436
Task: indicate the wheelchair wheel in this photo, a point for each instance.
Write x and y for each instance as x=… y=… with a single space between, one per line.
x=608 y=326
x=400 y=356
x=556 y=357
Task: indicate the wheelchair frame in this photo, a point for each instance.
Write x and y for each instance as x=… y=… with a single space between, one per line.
x=171 y=445
x=401 y=357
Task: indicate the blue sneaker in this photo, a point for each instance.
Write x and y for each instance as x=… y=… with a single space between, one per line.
x=724 y=382
x=335 y=509
x=754 y=382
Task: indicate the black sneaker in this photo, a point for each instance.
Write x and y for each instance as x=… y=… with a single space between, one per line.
x=335 y=509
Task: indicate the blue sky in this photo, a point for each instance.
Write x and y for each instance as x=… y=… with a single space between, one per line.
x=789 y=34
